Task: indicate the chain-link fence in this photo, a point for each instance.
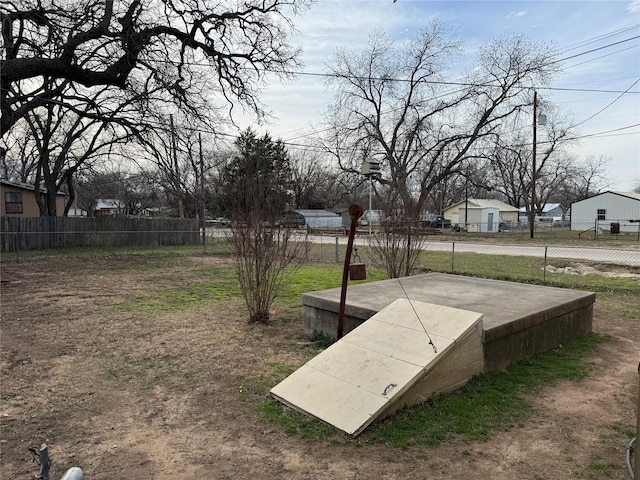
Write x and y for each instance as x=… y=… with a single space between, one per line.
x=495 y=259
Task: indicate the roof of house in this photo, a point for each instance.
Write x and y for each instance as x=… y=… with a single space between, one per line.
x=545 y=209
x=631 y=195
x=486 y=203
x=108 y=203
x=314 y=213
x=27 y=186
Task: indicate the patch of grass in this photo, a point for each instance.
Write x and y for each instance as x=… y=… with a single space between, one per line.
x=311 y=277
x=500 y=267
x=295 y=423
x=598 y=468
x=321 y=340
x=255 y=393
x=621 y=430
x=623 y=305
x=490 y=401
x=525 y=270
x=221 y=284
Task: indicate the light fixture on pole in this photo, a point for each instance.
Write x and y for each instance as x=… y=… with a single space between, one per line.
x=370 y=166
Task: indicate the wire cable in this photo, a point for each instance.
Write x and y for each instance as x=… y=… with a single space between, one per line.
x=435 y=350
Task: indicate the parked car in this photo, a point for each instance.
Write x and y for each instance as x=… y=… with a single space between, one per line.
x=443 y=222
x=437 y=221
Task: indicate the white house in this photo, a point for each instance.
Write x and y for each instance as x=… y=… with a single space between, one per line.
x=480 y=219
x=606 y=208
x=110 y=206
x=506 y=213
x=372 y=217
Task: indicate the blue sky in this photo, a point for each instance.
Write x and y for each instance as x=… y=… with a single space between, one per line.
x=574 y=27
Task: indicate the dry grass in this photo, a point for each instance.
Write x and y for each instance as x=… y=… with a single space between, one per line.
x=139 y=366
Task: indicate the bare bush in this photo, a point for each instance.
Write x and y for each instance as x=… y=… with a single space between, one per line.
x=263 y=254
x=399 y=242
x=254 y=194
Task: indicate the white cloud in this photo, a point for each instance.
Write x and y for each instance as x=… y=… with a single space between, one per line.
x=522 y=13
x=633 y=6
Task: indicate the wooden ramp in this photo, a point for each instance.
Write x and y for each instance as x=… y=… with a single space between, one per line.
x=387 y=363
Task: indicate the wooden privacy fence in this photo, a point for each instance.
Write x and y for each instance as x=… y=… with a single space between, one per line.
x=42 y=233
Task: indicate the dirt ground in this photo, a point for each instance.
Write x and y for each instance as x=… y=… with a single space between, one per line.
x=127 y=393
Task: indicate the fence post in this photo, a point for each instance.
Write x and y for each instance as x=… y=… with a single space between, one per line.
x=453 y=255
x=306 y=247
x=337 y=255
x=544 y=275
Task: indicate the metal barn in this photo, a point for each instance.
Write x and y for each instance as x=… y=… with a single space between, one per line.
x=605 y=209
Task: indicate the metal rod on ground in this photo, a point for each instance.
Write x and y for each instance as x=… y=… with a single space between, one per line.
x=355 y=212
x=544 y=275
x=45 y=464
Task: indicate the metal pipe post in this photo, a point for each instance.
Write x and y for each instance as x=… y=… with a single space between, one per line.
x=355 y=212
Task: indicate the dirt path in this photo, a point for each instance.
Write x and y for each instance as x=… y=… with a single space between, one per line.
x=126 y=394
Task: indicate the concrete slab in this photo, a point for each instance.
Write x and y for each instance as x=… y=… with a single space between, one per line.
x=385 y=364
x=519 y=319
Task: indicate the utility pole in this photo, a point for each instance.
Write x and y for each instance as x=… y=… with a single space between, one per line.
x=532 y=214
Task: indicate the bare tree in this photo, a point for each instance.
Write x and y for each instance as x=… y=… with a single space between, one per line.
x=392 y=104
x=175 y=150
x=317 y=183
x=585 y=178
x=506 y=158
x=134 y=191
x=398 y=244
x=18 y=157
x=183 y=51
x=255 y=186
x=65 y=139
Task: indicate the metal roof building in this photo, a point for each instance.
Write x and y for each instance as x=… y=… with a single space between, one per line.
x=601 y=210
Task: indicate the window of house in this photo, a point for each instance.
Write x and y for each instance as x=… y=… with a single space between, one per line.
x=602 y=214
x=13 y=202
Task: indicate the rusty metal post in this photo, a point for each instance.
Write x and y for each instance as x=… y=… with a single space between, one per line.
x=355 y=212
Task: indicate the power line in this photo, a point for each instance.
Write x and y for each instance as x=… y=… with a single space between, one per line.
x=608 y=105
x=601 y=56
x=595 y=39
x=594 y=50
